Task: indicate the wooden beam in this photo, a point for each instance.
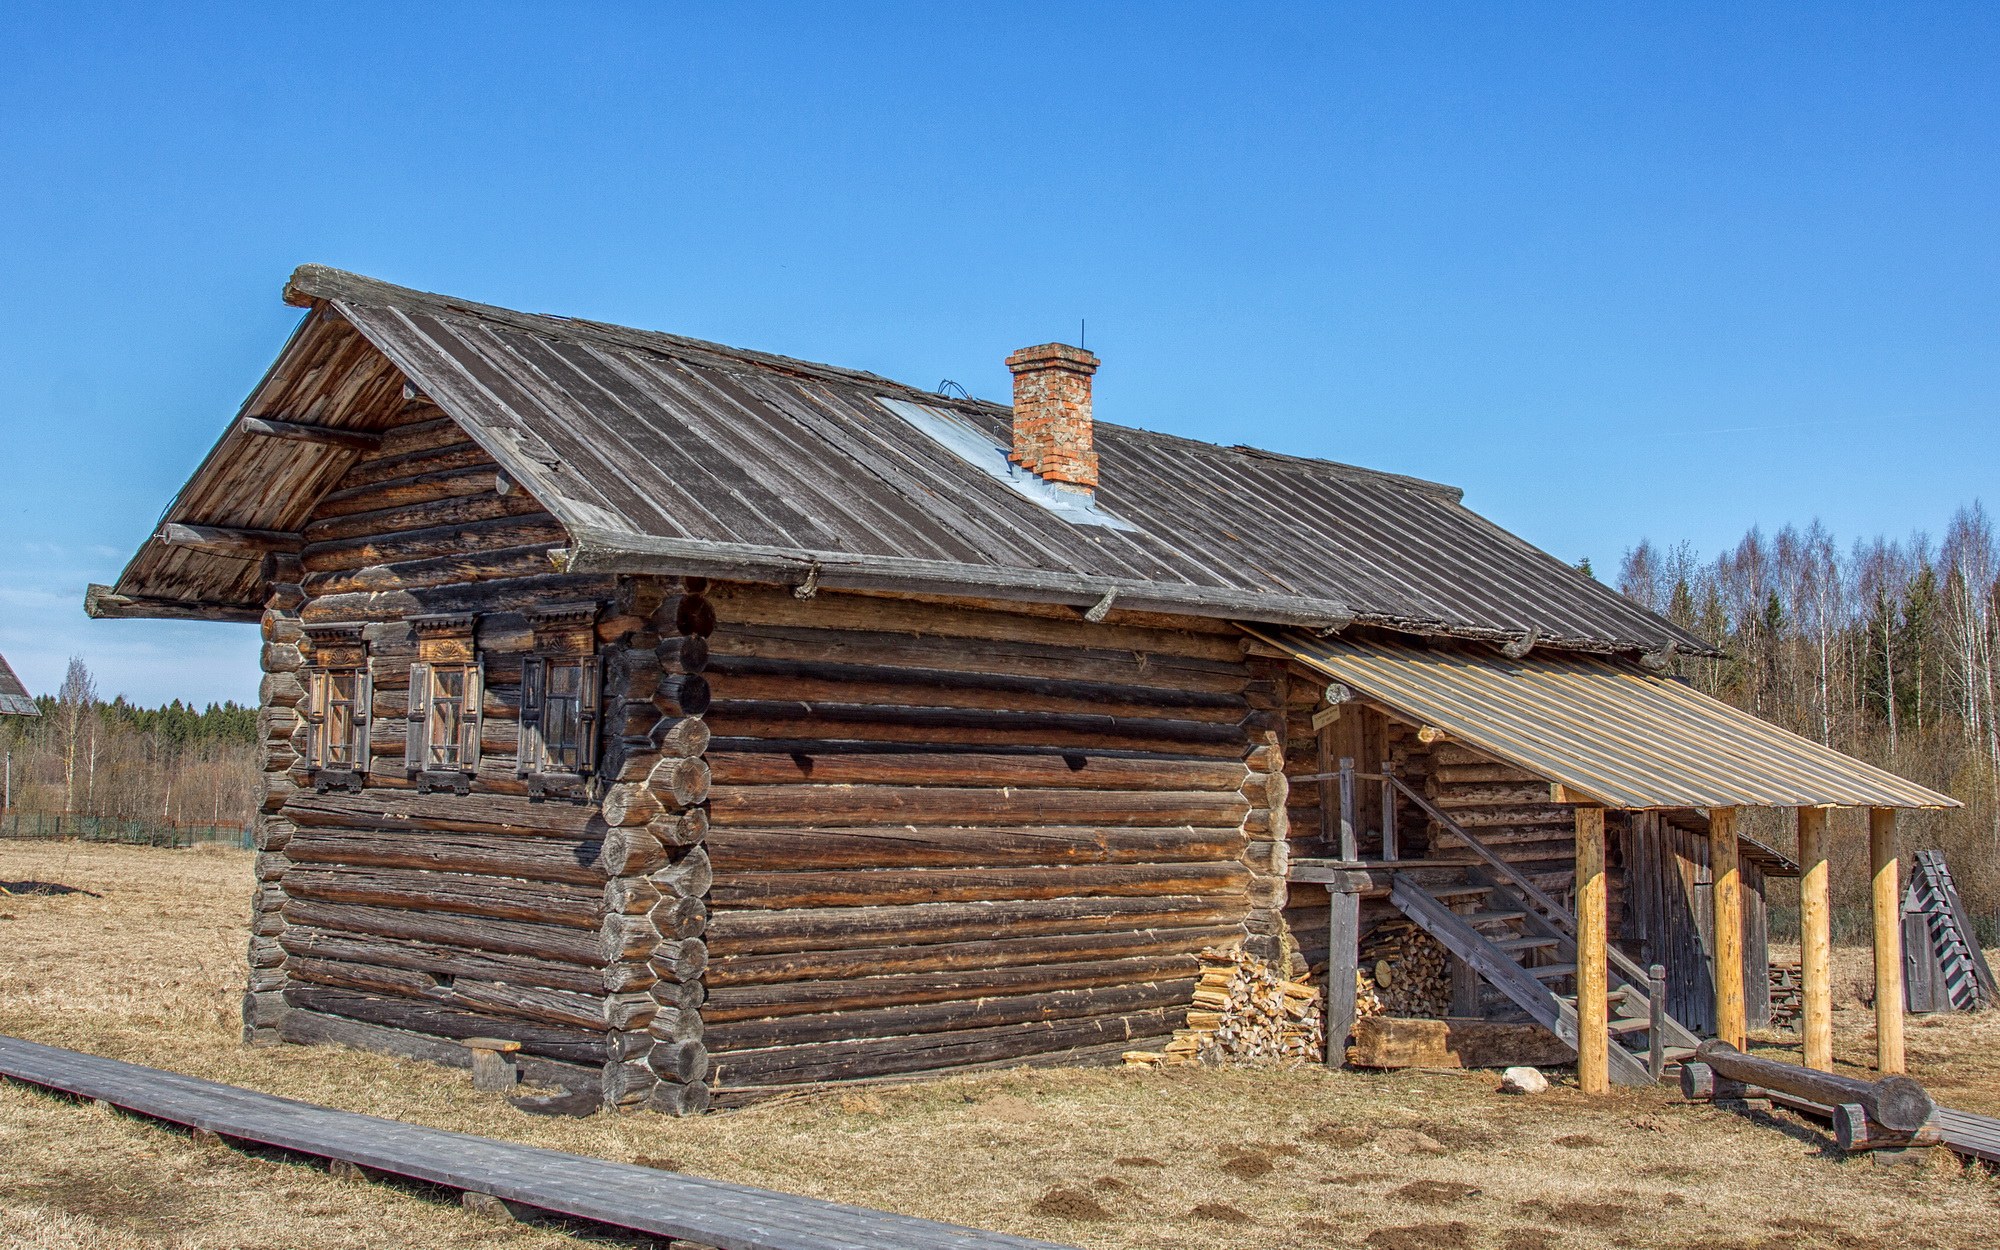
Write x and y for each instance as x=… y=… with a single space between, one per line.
x=1882 y=857
x=323 y=435
x=1726 y=902
x=101 y=603
x=225 y=540
x=1343 y=955
x=1593 y=975
x=1815 y=940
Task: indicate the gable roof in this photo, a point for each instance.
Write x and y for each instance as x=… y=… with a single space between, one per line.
x=14 y=697
x=667 y=454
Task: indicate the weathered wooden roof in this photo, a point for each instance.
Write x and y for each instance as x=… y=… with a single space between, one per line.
x=661 y=453
x=14 y=697
x=1605 y=730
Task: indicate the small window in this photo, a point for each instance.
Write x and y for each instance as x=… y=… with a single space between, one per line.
x=560 y=684
x=446 y=690
x=338 y=698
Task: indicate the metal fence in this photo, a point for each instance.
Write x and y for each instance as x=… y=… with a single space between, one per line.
x=53 y=826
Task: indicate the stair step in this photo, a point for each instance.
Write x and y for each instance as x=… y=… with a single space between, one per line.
x=1526 y=943
x=1620 y=1027
x=1494 y=917
x=1676 y=1054
x=1462 y=891
x=1549 y=972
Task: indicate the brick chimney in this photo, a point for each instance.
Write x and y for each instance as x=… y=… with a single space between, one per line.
x=1052 y=432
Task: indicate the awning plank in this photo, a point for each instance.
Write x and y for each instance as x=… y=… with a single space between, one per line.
x=1602 y=728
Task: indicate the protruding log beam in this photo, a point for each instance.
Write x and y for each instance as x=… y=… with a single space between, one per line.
x=1731 y=1019
x=1882 y=857
x=1593 y=1008
x=1897 y=1103
x=223 y=540
x=1815 y=940
x=322 y=435
x=102 y=603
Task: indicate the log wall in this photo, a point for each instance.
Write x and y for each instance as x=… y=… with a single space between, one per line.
x=948 y=835
x=390 y=919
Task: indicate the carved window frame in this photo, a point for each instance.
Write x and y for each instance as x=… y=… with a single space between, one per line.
x=447 y=692
x=565 y=659
x=339 y=707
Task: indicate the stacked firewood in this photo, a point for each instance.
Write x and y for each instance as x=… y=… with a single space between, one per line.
x=1787 y=994
x=1244 y=1010
x=1403 y=972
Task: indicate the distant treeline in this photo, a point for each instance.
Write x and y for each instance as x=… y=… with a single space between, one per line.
x=170 y=765
x=1883 y=649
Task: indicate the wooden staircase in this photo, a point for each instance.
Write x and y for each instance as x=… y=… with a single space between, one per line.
x=1525 y=955
x=1523 y=943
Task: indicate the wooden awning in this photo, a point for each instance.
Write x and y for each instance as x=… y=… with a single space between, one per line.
x=1605 y=730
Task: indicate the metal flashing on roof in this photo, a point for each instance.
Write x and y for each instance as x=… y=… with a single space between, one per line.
x=1607 y=731
x=980 y=450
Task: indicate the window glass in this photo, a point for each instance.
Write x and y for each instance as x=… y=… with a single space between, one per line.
x=447 y=715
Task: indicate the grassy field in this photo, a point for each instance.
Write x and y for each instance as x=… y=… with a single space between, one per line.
x=146 y=966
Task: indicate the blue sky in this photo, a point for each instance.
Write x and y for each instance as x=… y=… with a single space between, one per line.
x=1624 y=271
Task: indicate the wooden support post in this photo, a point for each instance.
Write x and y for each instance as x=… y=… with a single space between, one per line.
x=1656 y=1021
x=1389 y=847
x=1348 y=853
x=1815 y=941
x=1731 y=1022
x=1343 y=954
x=1882 y=854
x=493 y=1070
x=1593 y=1008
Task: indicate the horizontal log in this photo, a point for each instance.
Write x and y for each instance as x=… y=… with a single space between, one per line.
x=382 y=807
x=1523 y=794
x=367 y=977
x=1074 y=770
x=669 y=1098
x=466 y=539
x=680 y=918
x=1137 y=669
x=569 y=906
x=911 y=846
x=1008 y=952
x=416 y=1016
x=568 y=860
x=314 y=1028
x=977 y=721
x=682 y=653
x=453 y=570
x=690 y=874
x=763 y=605
x=595 y=1012
x=672 y=1024
x=441 y=959
x=682 y=1061
x=835 y=806
x=679 y=960
x=224 y=540
x=928 y=688
x=888 y=887
x=631 y=802
x=460 y=453
x=404 y=492
x=857 y=1058
x=811 y=733
x=937 y=1017
x=458 y=510
x=680 y=828
x=679 y=783
x=511 y=595
x=1480 y=774
x=1897 y=1103
x=794 y=998
x=765 y=932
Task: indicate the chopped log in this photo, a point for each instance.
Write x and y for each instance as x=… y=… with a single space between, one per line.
x=439 y=959
x=681 y=1062
x=500 y=898
x=679 y=918
x=830 y=806
x=678 y=783
x=669 y=1098
x=690 y=875
x=894 y=688
x=565 y=860
x=680 y=828
x=304 y=432
x=680 y=960
x=936 y=1017
x=1070 y=770
x=500 y=937
x=1399 y=1042
x=787 y=718
x=737 y=731
x=913 y=846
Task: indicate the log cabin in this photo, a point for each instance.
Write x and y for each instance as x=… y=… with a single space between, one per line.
x=703 y=723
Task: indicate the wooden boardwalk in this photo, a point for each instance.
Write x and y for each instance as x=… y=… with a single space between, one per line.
x=645 y=1200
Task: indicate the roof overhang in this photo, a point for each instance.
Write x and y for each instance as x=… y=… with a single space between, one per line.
x=1607 y=732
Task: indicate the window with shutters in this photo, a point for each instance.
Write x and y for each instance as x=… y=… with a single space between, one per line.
x=338 y=701
x=446 y=692
x=560 y=703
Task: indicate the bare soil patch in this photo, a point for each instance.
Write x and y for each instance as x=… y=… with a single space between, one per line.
x=152 y=971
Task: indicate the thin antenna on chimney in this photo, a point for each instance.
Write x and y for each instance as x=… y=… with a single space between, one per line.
x=1082 y=340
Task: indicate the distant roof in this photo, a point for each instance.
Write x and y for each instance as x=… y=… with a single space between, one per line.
x=14 y=697
x=667 y=454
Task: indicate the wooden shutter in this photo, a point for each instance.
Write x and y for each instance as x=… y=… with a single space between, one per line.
x=364 y=717
x=469 y=717
x=528 y=749
x=416 y=745
x=588 y=685
x=316 y=693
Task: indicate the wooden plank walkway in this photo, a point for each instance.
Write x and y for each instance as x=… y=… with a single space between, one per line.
x=664 y=1204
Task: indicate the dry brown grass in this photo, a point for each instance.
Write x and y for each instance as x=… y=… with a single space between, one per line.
x=150 y=971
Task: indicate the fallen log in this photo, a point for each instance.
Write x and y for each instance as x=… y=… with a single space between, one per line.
x=1895 y=1108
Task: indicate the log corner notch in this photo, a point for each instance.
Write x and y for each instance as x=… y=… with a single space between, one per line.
x=655 y=910
x=280 y=740
x=1266 y=824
